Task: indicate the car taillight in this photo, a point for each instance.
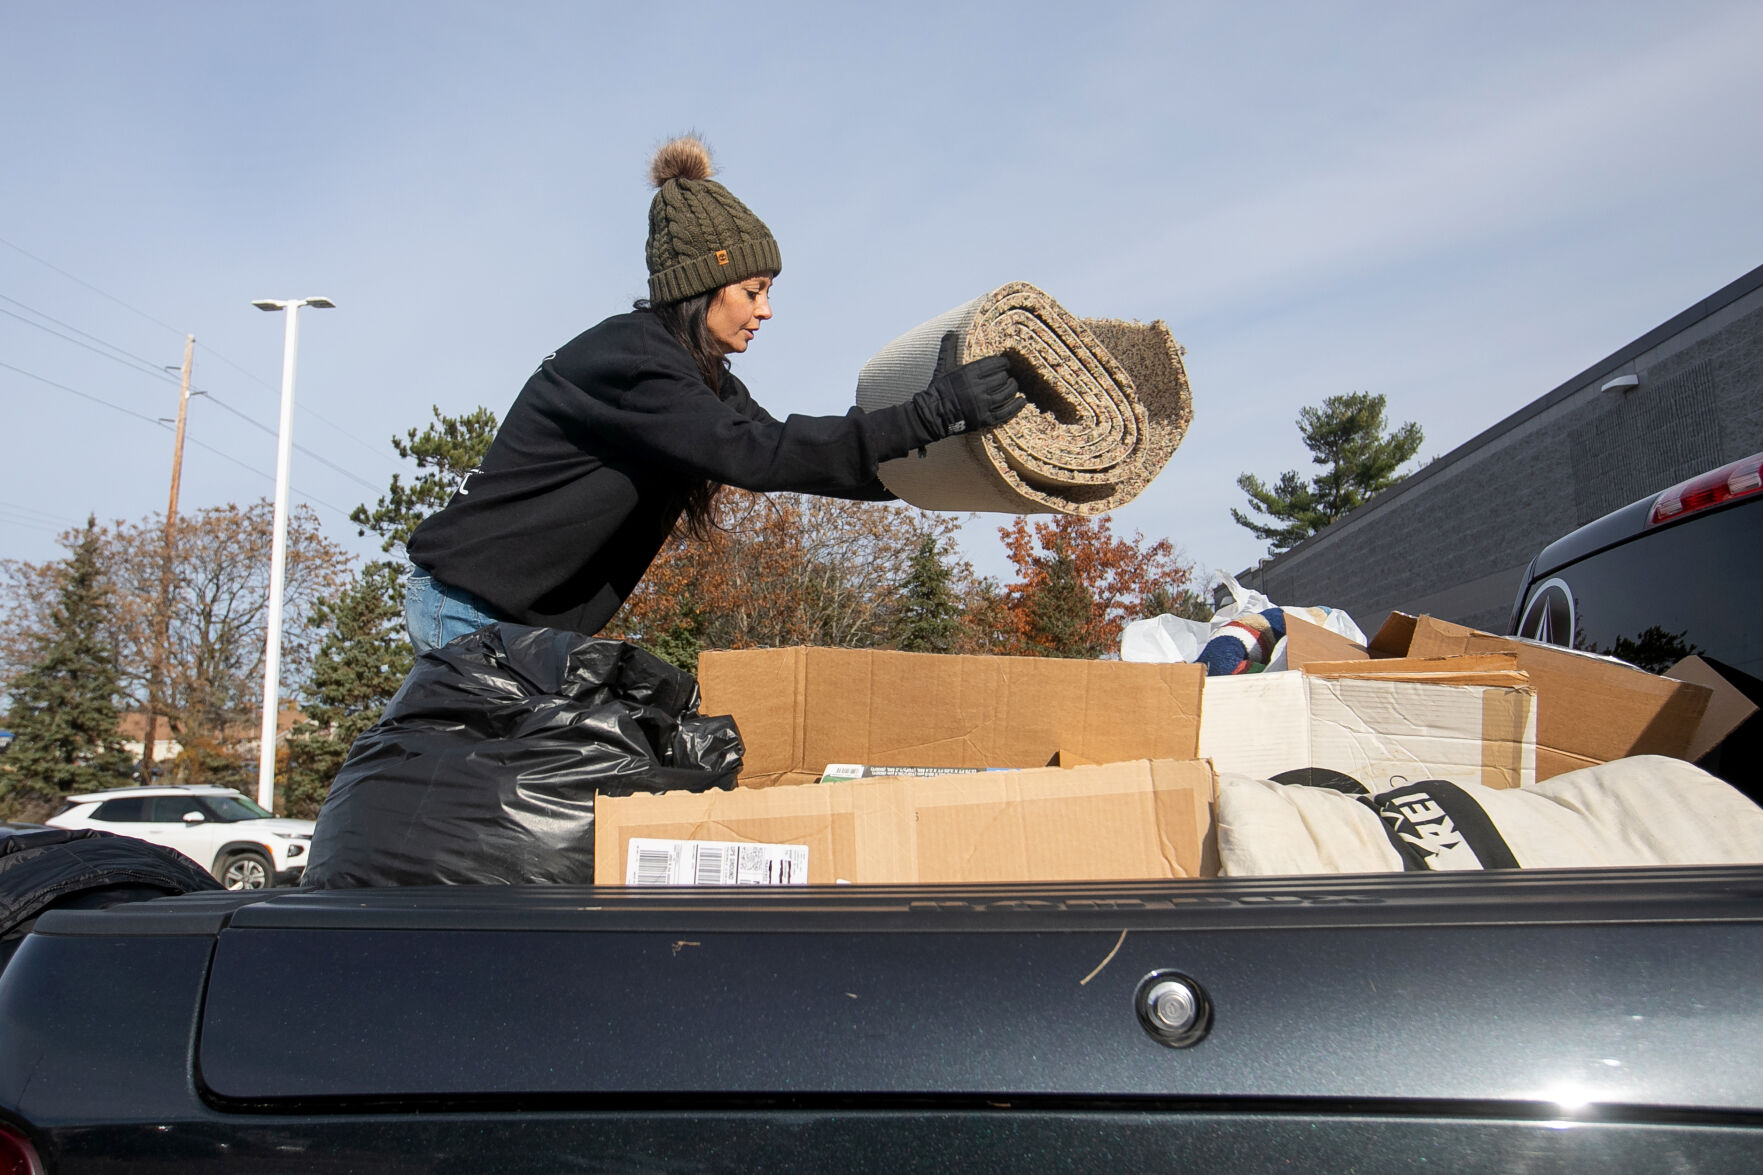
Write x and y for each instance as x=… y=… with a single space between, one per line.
x=1710 y=489
x=17 y=1155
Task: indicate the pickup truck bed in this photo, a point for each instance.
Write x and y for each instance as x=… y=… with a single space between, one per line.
x=1592 y=1020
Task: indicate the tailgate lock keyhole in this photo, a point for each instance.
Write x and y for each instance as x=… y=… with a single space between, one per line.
x=1173 y=1008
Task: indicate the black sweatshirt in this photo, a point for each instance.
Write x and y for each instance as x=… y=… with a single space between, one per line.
x=587 y=475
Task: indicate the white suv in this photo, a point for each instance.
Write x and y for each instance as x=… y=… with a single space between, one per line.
x=244 y=846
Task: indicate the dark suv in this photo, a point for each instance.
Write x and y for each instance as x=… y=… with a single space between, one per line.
x=1660 y=579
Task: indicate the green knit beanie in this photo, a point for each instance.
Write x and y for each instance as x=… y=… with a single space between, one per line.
x=700 y=236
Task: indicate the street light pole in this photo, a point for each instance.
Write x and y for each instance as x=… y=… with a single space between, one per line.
x=278 y=556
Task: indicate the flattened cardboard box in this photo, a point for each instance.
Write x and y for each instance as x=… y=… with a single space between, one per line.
x=1728 y=707
x=802 y=708
x=1380 y=732
x=1306 y=642
x=1144 y=819
x=1590 y=709
x=1490 y=669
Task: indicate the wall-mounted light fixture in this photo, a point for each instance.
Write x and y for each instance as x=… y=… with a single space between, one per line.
x=1622 y=383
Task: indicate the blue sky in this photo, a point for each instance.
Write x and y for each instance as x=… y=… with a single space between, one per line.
x=1456 y=205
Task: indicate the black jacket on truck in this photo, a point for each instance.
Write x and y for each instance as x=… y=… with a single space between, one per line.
x=588 y=474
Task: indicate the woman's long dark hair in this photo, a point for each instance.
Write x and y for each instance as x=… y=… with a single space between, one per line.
x=685 y=321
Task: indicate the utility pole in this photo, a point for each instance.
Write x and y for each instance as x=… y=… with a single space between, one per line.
x=162 y=618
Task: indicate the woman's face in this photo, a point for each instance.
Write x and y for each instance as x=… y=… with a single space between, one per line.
x=736 y=311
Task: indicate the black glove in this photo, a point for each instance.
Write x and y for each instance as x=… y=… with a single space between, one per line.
x=967 y=398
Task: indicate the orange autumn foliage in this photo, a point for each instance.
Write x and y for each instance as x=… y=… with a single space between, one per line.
x=793 y=569
x=781 y=569
x=1115 y=574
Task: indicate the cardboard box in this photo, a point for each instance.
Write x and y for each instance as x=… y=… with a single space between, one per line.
x=1306 y=642
x=1396 y=635
x=1590 y=709
x=802 y=708
x=1728 y=707
x=1488 y=669
x=1379 y=732
x=1144 y=819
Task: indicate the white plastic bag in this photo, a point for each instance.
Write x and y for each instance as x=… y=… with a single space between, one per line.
x=1242 y=600
x=1164 y=638
x=1170 y=638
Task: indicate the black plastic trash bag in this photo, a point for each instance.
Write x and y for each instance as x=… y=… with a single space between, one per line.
x=59 y=868
x=484 y=767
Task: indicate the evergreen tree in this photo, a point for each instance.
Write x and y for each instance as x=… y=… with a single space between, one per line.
x=64 y=713
x=1654 y=648
x=360 y=663
x=1346 y=437
x=681 y=638
x=1062 y=613
x=1290 y=502
x=928 y=619
x=446 y=451
x=1184 y=602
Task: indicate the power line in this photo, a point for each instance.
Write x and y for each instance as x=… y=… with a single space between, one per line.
x=31 y=524
x=80 y=281
x=76 y=330
x=313 y=412
x=22 y=508
x=132 y=362
x=158 y=371
x=250 y=375
x=25 y=524
x=375 y=450
x=270 y=477
x=297 y=445
x=154 y=421
x=160 y=424
x=147 y=367
x=11 y=515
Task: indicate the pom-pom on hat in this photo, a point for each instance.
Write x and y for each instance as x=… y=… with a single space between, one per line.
x=700 y=236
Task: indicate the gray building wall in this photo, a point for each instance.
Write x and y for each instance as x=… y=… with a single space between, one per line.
x=1453 y=539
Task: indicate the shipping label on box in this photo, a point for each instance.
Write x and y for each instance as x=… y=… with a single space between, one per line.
x=1381 y=733
x=840 y=772
x=696 y=862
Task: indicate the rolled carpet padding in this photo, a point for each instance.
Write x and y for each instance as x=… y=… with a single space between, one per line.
x=1108 y=404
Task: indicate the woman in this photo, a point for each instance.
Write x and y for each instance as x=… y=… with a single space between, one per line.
x=632 y=427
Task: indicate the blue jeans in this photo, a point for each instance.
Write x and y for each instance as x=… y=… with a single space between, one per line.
x=436 y=613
